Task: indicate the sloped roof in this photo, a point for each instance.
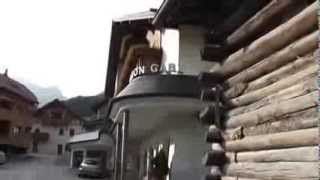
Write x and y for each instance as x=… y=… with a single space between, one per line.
x=17 y=88
x=57 y=102
x=91 y=136
x=136 y=16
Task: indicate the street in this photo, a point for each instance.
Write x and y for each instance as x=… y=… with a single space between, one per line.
x=38 y=167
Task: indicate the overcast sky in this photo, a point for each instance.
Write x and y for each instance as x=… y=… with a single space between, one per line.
x=61 y=43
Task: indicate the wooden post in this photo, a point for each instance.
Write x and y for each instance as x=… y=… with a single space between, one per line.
x=125 y=128
x=117 y=158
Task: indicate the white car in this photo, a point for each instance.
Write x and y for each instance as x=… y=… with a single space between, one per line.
x=2 y=157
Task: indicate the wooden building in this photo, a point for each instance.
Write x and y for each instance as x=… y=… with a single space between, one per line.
x=268 y=63
x=244 y=69
x=17 y=105
x=55 y=125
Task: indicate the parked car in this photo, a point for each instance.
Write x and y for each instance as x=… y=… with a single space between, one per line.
x=3 y=158
x=92 y=167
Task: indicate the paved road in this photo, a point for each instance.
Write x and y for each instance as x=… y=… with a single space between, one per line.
x=37 y=167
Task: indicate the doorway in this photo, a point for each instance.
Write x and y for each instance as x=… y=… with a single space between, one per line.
x=59 y=149
x=77 y=158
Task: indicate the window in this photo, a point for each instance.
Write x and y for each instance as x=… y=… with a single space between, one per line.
x=71 y=132
x=61 y=131
x=37 y=130
x=59 y=149
x=5 y=104
x=28 y=129
x=56 y=115
x=15 y=130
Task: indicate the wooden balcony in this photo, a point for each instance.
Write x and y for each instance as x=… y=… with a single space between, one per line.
x=22 y=140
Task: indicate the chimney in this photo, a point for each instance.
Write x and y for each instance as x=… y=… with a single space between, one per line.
x=6 y=73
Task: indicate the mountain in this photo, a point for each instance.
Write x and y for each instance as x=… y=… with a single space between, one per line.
x=83 y=105
x=44 y=94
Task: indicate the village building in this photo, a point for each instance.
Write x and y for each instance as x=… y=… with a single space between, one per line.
x=215 y=90
x=95 y=142
x=55 y=124
x=17 y=105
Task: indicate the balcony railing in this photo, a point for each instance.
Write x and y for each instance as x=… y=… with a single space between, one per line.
x=22 y=140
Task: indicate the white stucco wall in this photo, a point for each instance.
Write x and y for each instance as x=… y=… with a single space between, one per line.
x=50 y=147
x=191 y=43
x=190 y=147
x=182 y=47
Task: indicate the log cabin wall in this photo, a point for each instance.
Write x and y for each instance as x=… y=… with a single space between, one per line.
x=271 y=95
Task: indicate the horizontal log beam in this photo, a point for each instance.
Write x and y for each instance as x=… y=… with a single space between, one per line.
x=297 y=90
x=275 y=171
x=282 y=72
x=284 y=83
x=257 y=24
x=294 y=121
x=273 y=111
x=297 y=49
x=305 y=137
x=271 y=42
x=246 y=10
x=237 y=178
x=301 y=154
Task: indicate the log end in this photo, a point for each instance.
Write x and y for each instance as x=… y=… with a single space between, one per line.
x=210 y=79
x=212 y=177
x=214 y=53
x=214 y=158
x=214 y=135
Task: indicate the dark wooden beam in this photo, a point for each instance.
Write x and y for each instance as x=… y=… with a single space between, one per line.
x=214 y=135
x=214 y=52
x=206 y=116
x=214 y=158
x=212 y=177
x=247 y=9
x=210 y=79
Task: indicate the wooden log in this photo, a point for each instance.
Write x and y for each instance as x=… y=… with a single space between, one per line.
x=285 y=71
x=273 y=111
x=212 y=177
x=235 y=91
x=231 y=157
x=271 y=42
x=273 y=88
x=236 y=178
x=214 y=158
x=294 y=121
x=258 y=22
x=246 y=10
x=275 y=171
x=297 y=49
x=301 y=154
x=300 y=89
x=305 y=137
x=214 y=135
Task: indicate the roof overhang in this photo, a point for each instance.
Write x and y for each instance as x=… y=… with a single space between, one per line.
x=94 y=139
